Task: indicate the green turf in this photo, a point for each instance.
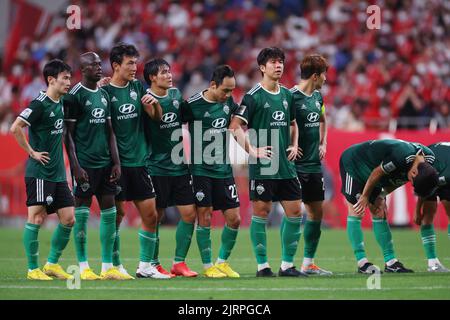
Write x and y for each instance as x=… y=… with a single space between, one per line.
x=334 y=254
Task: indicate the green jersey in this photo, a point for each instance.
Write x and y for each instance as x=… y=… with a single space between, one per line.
x=128 y=122
x=268 y=116
x=45 y=119
x=160 y=136
x=309 y=110
x=442 y=163
x=89 y=109
x=394 y=156
x=208 y=126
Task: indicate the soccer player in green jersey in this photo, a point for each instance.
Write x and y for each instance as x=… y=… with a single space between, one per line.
x=427 y=206
x=45 y=175
x=95 y=164
x=312 y=126
x=209 y=114
x=129 y=102
x=172 y=182
x=269 y=113
x=369 y=171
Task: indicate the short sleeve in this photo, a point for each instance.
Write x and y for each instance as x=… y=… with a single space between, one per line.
x=244 y=110
x=32 y=113
x=396 y=161
x=71 y=108
x=427 y=153
x=186 y=112
x=292 y=109
x=141 y=91
x=105 y=96
x=322 y=105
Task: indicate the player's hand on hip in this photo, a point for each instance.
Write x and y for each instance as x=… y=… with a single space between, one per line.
x=116 y=172
x=262 y=152
x=361 y=205
x=42 y=157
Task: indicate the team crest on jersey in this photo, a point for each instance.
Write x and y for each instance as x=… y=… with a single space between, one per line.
x=49 y=200
x=260 y=189
x=133 y=95
x=285 y=104
x=200 y=195
x=26 y=113
x=176 y=104
x=104 y=101
x=318 y=105
x=226 y=109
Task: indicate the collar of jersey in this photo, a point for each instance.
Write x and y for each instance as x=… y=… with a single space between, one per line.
x=273 y=93
x=88 y=88
x=204 y=98
x=43 y=92
x=154 y=94
x=120 y=87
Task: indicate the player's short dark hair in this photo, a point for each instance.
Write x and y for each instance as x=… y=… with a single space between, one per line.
x=55 y=67
x=426 y=181
x=269 y=53
x=151 y=68
x=313 y=64
x=121 y=50
x=220 y=72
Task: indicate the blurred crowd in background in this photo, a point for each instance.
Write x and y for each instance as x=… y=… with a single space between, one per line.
x=401 y=71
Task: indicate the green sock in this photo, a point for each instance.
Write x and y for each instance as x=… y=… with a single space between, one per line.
x=155 y=259
x=384 y=238
x=259 y=238
x=290 y=235
x=107 y=233
x=31 y=244
x=60 y=238
x=147 y=242
x=311 y=235
x=355 y=235
x=428 y=240
x=116 y=247
x=80 y=233
x=204 y=243
x=183 y=238
x=228 y=240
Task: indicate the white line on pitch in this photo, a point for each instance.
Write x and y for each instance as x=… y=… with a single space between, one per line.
x=427 y=288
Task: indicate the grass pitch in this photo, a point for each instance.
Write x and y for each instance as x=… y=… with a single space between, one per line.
x=334 y=254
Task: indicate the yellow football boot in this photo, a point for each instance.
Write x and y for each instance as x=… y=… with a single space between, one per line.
x=56 y=271
x=225 y=268
x=213 y=272
x=88 y=274
x=113 y=274
x=37 y=274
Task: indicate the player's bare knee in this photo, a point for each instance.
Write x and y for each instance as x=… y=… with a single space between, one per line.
x=234 y=222
x=189 y=217
x=36 y=218
x=69 y=221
